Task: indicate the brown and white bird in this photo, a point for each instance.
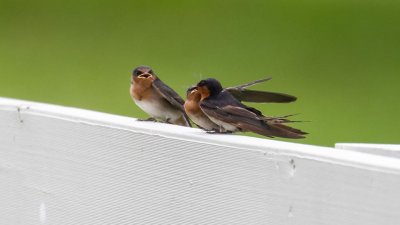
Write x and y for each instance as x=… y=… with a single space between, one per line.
x=156 y=98
x=193 y=96
x=231 y=115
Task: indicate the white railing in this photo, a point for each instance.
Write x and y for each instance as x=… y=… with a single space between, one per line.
x=62 y=165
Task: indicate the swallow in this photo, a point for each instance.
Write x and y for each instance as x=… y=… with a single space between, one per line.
x=193 y=110
x=231 y=115
x=240 y=92
x=156 y=98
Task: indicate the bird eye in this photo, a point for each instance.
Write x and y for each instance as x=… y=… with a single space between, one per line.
x=137 y=72
x=151 y=72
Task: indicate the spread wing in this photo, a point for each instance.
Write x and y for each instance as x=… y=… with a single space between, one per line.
x=242 y=86
x=242 y=94
x=261 y=96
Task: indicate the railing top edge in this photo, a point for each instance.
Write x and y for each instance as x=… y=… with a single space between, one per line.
x=330 y=155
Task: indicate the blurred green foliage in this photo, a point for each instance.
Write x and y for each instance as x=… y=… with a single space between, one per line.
x=340 y=58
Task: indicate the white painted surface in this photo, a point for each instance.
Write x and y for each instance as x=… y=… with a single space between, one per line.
x=390 y=150
x=42 y=213
x=63 y=165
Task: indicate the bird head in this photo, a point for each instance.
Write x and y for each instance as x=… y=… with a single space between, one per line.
x=209 y=87
x=143 y=72
x=193 y=94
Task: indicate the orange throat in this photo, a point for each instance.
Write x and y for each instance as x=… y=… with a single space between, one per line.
x=192 y=103
x=204 y=92
x=141 y=87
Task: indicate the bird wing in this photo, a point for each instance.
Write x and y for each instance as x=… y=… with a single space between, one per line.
x=242 y=86
x=234 y=115
x=242 y=94
x=249 y=121
x=169 y=94
x=172 y=97
x=261 y=96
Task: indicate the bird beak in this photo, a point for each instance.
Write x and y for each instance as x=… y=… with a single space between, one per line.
x=145 y=75
x=194 y=90
x=204 y=92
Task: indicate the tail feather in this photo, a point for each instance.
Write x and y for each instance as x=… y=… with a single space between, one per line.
x=279 y=124
x=182 y=121
x=272 y=130
x=289 y=129
x=280 y=119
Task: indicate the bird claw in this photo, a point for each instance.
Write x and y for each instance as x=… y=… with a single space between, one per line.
x=166 y=121
x=218 y=132
x=148 y=119
x=212 y=132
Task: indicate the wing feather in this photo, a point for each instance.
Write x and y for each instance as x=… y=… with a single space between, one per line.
x=171 y=96
x=242 y=94
x=249 y=121
x=261 y=96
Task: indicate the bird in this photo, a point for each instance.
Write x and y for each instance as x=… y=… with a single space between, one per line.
x=156 y=98
x=231 y=115
x=240 y=92
x=194 y=112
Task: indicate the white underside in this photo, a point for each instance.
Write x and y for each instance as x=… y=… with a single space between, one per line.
x=226 y=126
x=158 y=110
x=204 y=123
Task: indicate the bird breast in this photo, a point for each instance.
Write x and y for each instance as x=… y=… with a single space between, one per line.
x=151 y=102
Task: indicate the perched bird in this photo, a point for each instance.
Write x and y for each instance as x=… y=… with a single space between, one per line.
x=193 y=110
x=231 y=115
x=156 y=98
x=240 y=92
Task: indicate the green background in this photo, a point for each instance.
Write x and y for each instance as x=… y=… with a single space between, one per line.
x=340 y=58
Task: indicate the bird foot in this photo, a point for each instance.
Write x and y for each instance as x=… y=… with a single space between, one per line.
x=148 y=119
x=218 y=132
x=166 y=121
x=212 y=132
